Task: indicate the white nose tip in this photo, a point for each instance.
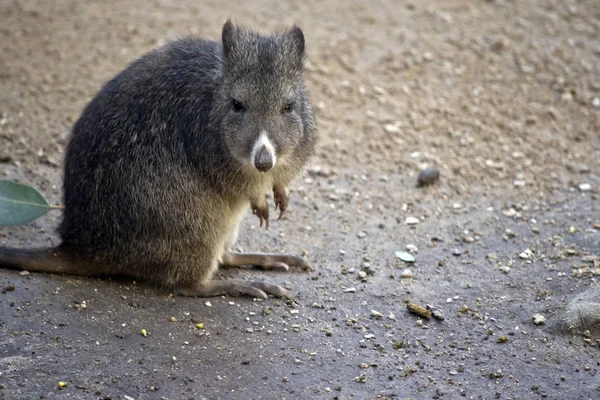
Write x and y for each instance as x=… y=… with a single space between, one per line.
x=263 y=153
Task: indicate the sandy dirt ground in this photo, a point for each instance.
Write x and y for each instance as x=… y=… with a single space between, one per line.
x=502 y=96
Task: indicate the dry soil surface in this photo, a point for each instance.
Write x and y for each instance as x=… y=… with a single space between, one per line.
x=502 y=96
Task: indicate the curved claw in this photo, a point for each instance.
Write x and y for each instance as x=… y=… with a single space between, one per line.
x=281 y=200
x=275 y=290
x=248 y=290
x=279 y=205
x=296 y=261
x=262 y=214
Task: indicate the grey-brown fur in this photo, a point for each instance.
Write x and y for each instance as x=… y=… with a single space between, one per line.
x=158 y=175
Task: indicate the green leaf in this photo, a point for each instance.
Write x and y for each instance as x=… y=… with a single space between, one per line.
x=20 y=204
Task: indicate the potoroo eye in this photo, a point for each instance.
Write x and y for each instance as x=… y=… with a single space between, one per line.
x=237 y=106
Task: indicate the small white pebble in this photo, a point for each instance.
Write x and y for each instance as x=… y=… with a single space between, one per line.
x=526 y=254
x=391 y=128
x=411 y=221
x=406 y=274
x=538 y=319
x=585 y=187
x=412 y=248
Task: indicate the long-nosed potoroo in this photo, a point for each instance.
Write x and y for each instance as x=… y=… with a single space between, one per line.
x=164 y=161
